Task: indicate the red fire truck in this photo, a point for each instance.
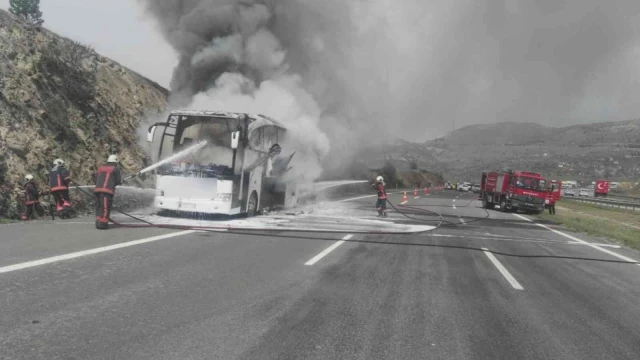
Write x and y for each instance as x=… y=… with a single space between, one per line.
x=513 y=191
x=602 y=188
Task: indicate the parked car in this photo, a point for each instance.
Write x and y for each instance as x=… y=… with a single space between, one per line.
x=583 y=192
x=569 y=192
x=475 y=188
x=464 y=187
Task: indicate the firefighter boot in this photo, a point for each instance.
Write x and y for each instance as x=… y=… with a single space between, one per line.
x=102 y=225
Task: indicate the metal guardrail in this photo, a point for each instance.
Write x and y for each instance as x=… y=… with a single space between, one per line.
x=624 y=198
x=622 y=204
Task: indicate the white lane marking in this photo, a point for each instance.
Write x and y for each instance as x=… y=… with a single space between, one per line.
x=416 y=197
x=316 y=258
x=595 y=246
x=404 y=202
x=49 y=260
x=454 y=206
x=454 y=200
x=507 y=275
x=514 y=239
x=462 y=221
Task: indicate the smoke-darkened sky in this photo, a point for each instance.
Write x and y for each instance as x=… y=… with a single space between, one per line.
x=409 y=68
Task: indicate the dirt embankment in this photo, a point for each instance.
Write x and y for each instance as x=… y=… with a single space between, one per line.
x=60 y=99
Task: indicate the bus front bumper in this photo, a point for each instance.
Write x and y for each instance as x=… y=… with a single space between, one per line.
x=195 y=205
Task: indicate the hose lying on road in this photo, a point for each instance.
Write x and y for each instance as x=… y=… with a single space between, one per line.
x=252 y=230
x=419 y=210
x=266 y=232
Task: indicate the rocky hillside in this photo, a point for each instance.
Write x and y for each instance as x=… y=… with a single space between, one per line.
x=60 y=99
x=580 y=152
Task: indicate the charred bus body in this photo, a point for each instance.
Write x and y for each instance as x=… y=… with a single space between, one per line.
x=239 y=171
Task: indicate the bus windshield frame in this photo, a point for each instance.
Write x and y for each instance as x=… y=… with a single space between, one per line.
x=216 y=130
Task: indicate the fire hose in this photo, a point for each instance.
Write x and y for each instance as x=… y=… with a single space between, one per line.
x=147 y=224
x=252 y=231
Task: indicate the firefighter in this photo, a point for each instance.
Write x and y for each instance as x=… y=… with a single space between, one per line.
x=31 y=202
x=108 y=177
x=551 y=201
x=59 y=180
x=381 y=204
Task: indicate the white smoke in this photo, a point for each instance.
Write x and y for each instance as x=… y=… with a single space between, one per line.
x=232 y=61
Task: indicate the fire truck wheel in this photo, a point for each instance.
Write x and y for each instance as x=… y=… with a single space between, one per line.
x=503 y=205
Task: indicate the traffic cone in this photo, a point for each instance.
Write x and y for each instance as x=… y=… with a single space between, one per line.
x=425 y=191
x=404 y=197
x=415 y=192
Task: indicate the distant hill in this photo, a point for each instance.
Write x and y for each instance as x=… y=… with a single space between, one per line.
x=60 y=99
x=575 y=152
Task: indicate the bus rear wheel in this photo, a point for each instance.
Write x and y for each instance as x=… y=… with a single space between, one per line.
x=252 y=205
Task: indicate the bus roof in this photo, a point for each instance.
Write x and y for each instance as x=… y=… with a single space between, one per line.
x=258 y=120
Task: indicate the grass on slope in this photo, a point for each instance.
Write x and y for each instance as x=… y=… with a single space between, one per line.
x=622 y=226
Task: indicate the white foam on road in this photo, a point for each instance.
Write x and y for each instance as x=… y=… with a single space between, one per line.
x=321 y=218
x=326 y=251
x=507 y=275
x=49 y=260
x=594 y=246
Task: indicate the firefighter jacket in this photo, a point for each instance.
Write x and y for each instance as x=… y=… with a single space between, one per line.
x=107 y=178
x=30 y=193
x=382 y=193
x=59 y=178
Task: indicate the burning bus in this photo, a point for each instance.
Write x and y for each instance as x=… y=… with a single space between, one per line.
x=229 y=163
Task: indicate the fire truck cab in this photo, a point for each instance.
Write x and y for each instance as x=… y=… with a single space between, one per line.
x=513 y=191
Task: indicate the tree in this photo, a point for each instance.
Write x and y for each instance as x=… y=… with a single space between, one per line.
x=27 y=9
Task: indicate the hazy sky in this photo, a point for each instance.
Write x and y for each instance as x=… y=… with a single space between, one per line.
x=116 y=29
x=413 y=67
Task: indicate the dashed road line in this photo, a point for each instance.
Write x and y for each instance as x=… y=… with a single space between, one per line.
x=507 y=275
x=462 y=221
x=326 y=251
x=416 y=197
x=597 y=247
x=49 y=260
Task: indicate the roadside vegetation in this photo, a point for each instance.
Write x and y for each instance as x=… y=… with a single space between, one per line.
x=619 y=225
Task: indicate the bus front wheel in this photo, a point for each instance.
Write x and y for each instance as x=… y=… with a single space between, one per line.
x=252 y=205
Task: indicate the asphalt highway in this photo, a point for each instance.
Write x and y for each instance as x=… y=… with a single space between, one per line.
x=485 y=285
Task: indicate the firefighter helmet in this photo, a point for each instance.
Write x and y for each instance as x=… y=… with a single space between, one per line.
x=112 y=159
x=379 y=179
x=58 y=162
x=28 y=177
